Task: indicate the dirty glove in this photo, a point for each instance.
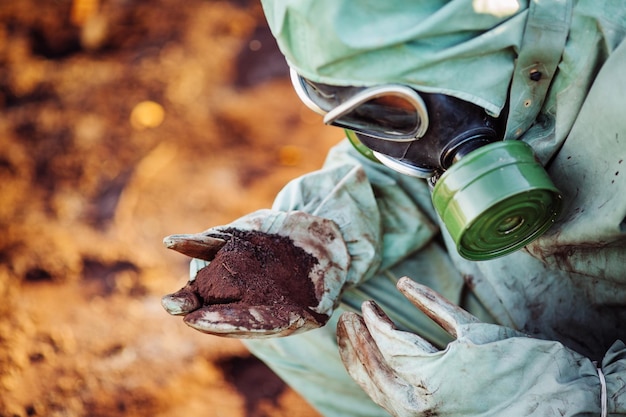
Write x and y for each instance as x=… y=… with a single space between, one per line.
x=489 y=370
x=352 y=204
x=268 y=274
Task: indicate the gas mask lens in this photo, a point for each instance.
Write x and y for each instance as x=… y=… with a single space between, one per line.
x=392 y=112
x=493 y=196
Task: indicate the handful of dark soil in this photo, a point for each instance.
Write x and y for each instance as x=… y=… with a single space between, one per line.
x=259 y=269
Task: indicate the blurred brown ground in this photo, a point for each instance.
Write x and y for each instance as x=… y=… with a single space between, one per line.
x=123 y=121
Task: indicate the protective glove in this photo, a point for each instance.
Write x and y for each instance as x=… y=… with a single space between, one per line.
x=489 y=370
x=250 y=286
x=355 y=217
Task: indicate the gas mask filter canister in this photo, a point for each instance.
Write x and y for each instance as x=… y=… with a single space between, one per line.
x=493 y=196
x=496 y=200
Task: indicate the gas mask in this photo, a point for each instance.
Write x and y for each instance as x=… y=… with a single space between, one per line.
x=493 y=196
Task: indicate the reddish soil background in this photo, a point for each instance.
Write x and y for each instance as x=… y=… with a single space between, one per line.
x=124 y=121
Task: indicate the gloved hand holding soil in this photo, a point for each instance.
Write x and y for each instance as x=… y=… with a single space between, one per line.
x=269 y=274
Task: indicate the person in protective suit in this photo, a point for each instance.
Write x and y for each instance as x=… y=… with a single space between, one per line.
x=471 y=231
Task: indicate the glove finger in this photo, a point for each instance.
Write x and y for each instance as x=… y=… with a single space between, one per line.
x=197 y=245
x=239 y=321
x=395 y=345
x=181 y=302
x=367 y=366
x=449 y=316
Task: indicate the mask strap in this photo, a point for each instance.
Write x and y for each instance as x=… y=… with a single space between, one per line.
x=542 y=46
x=603 y=400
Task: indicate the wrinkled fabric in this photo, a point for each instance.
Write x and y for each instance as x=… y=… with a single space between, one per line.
x=377 y=234
x=365 y=43
x=423 y=44
x=597 y=28
x=572 y=280
x=569 y=286
x=566 y=289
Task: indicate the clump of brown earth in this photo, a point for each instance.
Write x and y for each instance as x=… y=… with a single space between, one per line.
x=256 y=269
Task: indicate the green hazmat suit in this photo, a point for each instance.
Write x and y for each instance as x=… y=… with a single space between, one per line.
x=567 y=289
